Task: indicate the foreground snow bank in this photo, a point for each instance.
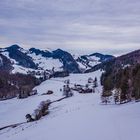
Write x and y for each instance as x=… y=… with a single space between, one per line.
x=81 y=118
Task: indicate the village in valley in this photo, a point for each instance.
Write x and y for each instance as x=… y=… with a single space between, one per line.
x=62 y=98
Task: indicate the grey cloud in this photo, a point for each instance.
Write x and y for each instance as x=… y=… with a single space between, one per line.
x=71 y=24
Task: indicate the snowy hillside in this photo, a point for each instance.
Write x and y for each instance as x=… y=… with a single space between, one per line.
x=80 y=117
x=46 y=63
x=88 y=61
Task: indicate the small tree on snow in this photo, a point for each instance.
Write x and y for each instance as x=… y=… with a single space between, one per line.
x=95 y=82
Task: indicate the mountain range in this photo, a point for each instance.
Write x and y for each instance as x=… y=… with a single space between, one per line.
x=18 y=59
x=126 y=60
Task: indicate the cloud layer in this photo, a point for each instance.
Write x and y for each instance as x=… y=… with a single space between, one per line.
x=111 y=26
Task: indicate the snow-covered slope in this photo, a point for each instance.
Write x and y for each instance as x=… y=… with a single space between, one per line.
x=88 y=61
x=85 y=62
x=24 y=106
x=80 y=117
x=46 y=63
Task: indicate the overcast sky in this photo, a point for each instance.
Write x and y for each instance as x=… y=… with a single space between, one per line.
x=108 y=26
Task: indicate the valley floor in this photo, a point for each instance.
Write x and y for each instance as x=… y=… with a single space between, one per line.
x=81 y=117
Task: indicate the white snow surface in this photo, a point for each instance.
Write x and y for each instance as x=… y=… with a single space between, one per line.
x=20 y=69
x=46 y=63
x=93 y=60
x=16 y=68
x=81 y=117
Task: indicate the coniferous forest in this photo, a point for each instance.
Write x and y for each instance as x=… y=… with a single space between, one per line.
x=123 y=84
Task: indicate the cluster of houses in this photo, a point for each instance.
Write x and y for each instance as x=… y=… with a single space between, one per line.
x=87 y=88
x=82 y=88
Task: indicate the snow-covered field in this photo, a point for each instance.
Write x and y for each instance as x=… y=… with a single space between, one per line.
x=46 y=63
x=81 y=117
